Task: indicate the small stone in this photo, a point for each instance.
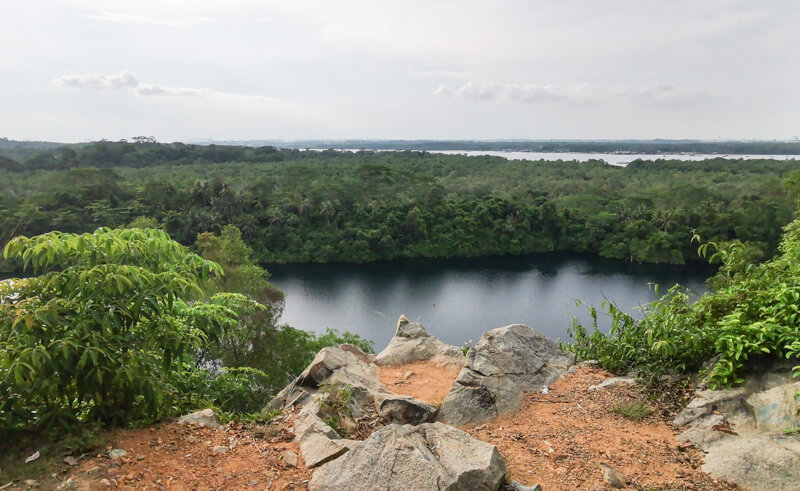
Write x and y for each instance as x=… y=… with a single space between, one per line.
x=517 y=486
x=105 y=482
x=289 y=458
x=612 y=477
x=206 y=417
x=70 y=460
x=31 y=483
x=117 y=454
x=219 y=449
x=33 y=457
x=191 y=439
x=408 y=375
x=140 y=458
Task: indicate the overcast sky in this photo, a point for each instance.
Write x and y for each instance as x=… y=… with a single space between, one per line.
x=294 y=69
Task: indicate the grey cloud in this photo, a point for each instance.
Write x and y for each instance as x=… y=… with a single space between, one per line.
x=133 y=19
x=579 y=94
x=572 y=94
x=98 y=81
x=156 y=89
x=664 y=94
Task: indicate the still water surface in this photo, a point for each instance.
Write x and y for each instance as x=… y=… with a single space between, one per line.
x=618 y=159
x=458 y=300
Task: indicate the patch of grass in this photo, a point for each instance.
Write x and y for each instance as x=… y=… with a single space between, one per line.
x=259 y=417
x=792 y=431
x=633 y=410
x=334 y=401
x=15 y=447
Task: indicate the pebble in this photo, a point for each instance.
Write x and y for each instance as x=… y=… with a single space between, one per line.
x=289 y=458
x=117 y=453
x=219 y=449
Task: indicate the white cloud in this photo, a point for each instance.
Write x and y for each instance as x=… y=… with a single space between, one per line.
x=134 y=19
x=664 y=94
x=571 y=94
x=98 y=81
x=579 y=94
x=128 y=80
x=156 y=89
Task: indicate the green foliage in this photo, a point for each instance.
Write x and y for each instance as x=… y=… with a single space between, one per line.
x=466 y=347
x=635 y=411
x=144 y=222
x=108 y=329
x=294 y=206
x=333 y=337
x=274 y=354
x=334 y=406
x=753 y=313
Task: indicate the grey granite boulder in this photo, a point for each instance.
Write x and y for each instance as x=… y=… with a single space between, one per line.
x=742 y=429
x=206 y=417
x=432 y=456
x=318 y=442
x=405 y=410
x=335 y=365
x=412 y=343
x=506 y=363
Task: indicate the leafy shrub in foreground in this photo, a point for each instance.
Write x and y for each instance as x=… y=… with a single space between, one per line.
x=107 y=331
x=753 y=312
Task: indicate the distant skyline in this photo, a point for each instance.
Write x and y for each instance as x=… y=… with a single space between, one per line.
x=180 y=70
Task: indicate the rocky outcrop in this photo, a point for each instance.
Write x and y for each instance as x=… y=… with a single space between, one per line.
x=405 y=410
x=338 y=366
x=206 y=417
x=741 y=429
x=344 y=365
x=318 y=442
x=505 y=363
x=431 y=456
x=412 y=343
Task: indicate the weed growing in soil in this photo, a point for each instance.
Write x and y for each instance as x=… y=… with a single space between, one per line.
x=633 y=410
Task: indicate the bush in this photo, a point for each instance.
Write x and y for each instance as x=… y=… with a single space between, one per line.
x=754 y=312
x=108 y=330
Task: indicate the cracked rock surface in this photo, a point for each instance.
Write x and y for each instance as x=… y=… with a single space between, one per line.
x=505 y=363
x=742 y=429
x=427 y=456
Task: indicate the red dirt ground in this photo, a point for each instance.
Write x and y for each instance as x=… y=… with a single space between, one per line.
x=170 y=456
x=559 y=440
x=424 y=380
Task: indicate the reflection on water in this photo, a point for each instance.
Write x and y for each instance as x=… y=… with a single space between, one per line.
x=458 y=300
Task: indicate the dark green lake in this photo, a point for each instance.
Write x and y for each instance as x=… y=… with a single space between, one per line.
x=458 y=300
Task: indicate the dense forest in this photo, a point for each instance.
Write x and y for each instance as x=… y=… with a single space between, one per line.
x=323 y=206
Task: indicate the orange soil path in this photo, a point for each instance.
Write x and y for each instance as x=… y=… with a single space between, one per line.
x=424 y=380
x=559 y=440
x=169 y=456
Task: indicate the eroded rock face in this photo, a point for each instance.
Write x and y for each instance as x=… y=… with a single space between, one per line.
x=405 y=410
x=505 y=363
x=431 y=456
x=336 y=365
x=412 y=343
x=741 y=429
